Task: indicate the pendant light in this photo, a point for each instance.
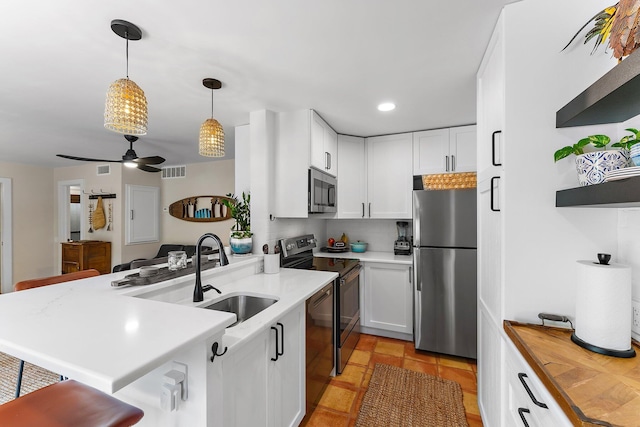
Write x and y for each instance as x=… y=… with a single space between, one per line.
x=125 y=110
x=211 y=133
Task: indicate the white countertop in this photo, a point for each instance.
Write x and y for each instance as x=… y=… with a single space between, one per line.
x=106 y=338
x=369 y=256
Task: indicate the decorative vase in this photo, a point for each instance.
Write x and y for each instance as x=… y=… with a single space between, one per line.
x=240 y=245
x=592 y=166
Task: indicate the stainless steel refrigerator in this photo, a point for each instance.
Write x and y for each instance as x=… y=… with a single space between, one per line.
x=445 y=267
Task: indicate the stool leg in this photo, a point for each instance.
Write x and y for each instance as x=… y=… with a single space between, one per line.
x=19 y=384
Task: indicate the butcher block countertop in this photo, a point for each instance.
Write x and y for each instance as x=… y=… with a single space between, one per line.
x=592 y=389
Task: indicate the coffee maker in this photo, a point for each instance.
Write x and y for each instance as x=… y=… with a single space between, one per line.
x=402 y=245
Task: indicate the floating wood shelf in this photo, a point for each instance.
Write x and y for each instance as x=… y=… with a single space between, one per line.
x=614 y=98
x=615 y=194
x=200 y=209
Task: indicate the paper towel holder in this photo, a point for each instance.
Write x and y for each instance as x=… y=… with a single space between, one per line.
x=626 y=354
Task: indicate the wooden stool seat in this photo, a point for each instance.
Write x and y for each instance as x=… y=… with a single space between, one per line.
x=68 y=404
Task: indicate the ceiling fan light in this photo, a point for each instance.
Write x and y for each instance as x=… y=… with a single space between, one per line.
x=211 y=139
x=130 y=164
x=125 y=110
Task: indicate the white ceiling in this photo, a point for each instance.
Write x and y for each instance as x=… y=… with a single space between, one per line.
x=338 y=57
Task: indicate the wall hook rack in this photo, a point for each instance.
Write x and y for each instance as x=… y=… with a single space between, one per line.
x=93 y=195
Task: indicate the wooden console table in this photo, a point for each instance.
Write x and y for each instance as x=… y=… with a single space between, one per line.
x=592 y=389
x=86 y=254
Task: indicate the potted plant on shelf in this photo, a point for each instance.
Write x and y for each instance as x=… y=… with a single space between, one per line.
x=240 y=239
x=592 y=165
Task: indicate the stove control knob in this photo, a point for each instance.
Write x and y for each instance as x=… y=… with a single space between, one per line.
x=290 y=246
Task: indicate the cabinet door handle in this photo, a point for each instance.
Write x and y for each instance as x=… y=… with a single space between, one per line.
x=494 y=209
x=362 y=209
x=281 y=353
x=131 y=214
x=521 y=377
x=446 y=160
x=453 y=163
x=329 y=157
x=277 y=339
x=369 y=209
x=493 y=148
x=521 y=412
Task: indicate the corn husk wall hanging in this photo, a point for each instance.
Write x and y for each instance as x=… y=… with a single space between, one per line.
x=99 y=219
x=618 y=24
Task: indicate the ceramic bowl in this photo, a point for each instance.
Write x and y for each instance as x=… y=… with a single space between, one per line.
x=358 y=246
x=592 y=166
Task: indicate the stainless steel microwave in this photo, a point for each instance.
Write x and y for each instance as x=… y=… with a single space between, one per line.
x=322 y=192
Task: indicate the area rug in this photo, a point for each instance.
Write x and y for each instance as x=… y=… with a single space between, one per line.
x=397 y=397
x=33 y=377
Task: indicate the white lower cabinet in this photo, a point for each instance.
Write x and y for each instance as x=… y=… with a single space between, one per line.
x=527 y=401
x=263 y=378
x=245 y=382
x=388 y=297
x=286 y=386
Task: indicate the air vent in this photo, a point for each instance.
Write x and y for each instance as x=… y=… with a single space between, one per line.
x=104 y=170
x=169 y=172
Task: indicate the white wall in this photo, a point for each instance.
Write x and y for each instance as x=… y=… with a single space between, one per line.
x=33 y=224
x=542 y=242
x=215 y=178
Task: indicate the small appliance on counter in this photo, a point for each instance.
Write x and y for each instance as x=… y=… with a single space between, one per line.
x=402 y=245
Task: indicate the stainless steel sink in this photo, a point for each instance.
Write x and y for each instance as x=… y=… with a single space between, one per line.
x=243 y=306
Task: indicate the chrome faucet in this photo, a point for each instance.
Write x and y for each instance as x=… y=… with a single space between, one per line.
x=198 y=293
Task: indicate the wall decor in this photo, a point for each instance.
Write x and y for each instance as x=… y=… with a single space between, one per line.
x=200 y=209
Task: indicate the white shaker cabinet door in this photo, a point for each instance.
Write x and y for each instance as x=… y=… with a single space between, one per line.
x=388 y=297
x=389 y=176
x=352 y=181
x=463 y=149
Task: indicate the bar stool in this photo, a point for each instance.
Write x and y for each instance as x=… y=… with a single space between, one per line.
x=68 y=404
x=45 y=281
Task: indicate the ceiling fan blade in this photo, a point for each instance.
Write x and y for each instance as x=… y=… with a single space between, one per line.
x=148 y=168
x=86 y=159
x=151 y=160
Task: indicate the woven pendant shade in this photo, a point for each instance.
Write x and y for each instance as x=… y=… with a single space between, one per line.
x=125 y=109
x=211 y=139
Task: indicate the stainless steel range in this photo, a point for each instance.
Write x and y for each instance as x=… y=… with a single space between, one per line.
x=297 y=252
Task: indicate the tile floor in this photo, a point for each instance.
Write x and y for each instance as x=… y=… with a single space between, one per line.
x=341 y=400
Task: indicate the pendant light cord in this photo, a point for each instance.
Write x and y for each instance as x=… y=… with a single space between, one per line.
x=212 y=103
x=126 y=36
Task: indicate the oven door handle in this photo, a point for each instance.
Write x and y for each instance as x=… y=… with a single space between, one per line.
x=322 y=298
x=352 y=274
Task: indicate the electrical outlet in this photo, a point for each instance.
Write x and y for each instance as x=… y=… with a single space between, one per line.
x=635 y=325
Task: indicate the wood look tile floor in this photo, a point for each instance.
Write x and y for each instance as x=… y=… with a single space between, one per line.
x=341 y=400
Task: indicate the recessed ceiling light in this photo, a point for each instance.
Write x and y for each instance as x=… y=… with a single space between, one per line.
x=386 y=106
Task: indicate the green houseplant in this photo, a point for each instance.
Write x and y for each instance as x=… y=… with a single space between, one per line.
x=592 y=166
x=240 y=210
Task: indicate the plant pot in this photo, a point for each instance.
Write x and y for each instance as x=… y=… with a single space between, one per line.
x=592 y=166
x=241 y=245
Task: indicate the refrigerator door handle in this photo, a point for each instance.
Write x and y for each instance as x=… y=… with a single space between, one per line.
x=416 y=269
x=410 y=275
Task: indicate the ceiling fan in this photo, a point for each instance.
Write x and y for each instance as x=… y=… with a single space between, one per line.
x=130 y=158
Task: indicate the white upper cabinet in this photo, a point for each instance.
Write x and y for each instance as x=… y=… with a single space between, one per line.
x=444 y=150
x=352 y=184
x=389 y=176
x=324 y=146
x=375 y=179
x=303 y=140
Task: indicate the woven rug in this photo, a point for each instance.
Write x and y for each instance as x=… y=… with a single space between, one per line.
x=397 y=397
x=33 y=377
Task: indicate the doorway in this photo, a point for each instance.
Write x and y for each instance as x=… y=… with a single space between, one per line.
x=6 y=241
x=70 y=208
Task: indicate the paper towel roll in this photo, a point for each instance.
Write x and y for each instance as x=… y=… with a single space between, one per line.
x=603 y=305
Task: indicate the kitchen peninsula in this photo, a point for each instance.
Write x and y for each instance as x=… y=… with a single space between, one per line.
x=124 y=340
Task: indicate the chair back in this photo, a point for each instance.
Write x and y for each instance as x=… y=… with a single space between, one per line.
x=52 y=280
